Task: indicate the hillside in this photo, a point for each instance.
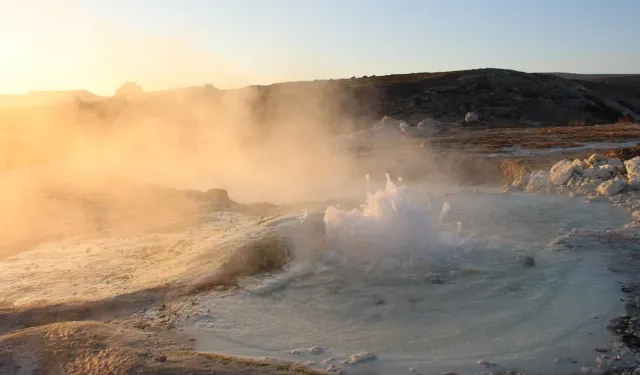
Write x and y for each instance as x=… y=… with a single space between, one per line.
x=500 y=97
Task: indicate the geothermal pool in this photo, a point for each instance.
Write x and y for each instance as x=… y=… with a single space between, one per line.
x=427 y=281
x=464 y=302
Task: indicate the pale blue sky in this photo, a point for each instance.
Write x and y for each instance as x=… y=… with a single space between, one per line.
x=262 y=41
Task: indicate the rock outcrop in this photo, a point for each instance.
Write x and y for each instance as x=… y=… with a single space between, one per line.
x=496 y=96
x=597 y=175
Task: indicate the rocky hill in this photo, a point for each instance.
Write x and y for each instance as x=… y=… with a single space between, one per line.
x=500 y=98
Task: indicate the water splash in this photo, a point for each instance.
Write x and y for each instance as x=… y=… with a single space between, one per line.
x=389 y=229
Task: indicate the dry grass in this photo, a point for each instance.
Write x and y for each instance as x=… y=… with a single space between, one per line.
x=512 y=170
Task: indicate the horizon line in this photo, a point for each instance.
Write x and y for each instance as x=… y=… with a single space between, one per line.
x=80 y=90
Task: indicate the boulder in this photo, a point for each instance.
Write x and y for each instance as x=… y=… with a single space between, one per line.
x=430 y=126
x=606 y=171
x=589 y=172
x=471 y=117
x=520 y=181
x=596 y=157
x=561 y=172
x=615 y=161
x=633 y=172
x=610 y=169
x=603 y=173
x=537 y=181
x=611 y=187
x=578 y=166
x=633 y=167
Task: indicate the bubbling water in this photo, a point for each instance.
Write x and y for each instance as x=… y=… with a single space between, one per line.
x=388 y=238
x=389 y=231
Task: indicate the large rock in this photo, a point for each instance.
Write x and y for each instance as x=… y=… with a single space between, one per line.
x=578 y=166
x=611 y=187
x=587 y=188
x=561 y=172
x=608 y=168
x=596 y=157
x=633 y=172
x=537 y=181
x=430 y=126
x=589 y=172
x=606 y=171
x=471 y=117
x=615 y=161
x=633 y=167
x=520 y=181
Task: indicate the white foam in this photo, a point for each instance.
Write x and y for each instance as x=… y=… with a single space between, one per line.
x=388 y=229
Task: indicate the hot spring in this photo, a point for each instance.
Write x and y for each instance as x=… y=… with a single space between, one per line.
x=416 y=277
x=428 y=282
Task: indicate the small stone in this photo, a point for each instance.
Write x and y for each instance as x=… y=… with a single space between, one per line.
x=436 y=279
x=316 y=350
x=626 y=289
x=335 y=370
x=471 y=117
x=602 y=350
x=361 y=357
x=526 y=261
x=161 y=358
x=380 y=302
x=485 y=363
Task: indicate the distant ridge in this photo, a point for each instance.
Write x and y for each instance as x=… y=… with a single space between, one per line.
x=591 y=77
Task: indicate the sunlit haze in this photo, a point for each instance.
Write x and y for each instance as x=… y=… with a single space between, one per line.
x=98 y=44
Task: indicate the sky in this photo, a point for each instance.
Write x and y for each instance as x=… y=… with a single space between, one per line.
x=99 y=44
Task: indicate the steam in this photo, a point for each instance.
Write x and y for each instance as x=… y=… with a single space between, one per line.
x=98 y=165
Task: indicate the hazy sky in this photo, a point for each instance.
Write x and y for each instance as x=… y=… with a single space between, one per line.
x=99 y=44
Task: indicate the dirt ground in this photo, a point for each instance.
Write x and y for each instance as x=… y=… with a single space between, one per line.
x=507 y=140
